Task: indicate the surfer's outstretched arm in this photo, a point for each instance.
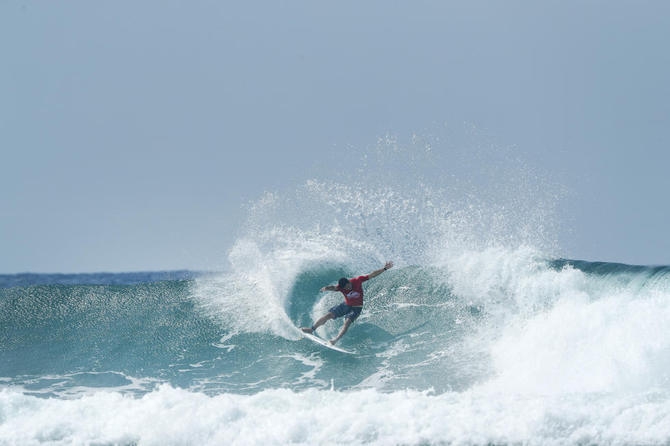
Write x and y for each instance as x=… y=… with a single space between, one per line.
x=377 y=272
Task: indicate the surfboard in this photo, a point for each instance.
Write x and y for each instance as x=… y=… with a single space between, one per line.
x=325 y=343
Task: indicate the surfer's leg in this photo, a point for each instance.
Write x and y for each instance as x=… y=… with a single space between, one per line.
x=345 y=327
x=349 y=318
x=322 y=320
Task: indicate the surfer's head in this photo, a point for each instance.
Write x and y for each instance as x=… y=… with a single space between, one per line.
x=343 y=282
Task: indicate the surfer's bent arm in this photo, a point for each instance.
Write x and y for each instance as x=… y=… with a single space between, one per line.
x=329 y=288
x=377 y=272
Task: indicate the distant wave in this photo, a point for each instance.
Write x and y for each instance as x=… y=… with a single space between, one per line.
x=29 y=279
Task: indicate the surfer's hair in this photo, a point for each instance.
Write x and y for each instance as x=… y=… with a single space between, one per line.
x=343 y=282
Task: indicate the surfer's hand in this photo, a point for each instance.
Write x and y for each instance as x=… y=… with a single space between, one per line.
x=377 y=272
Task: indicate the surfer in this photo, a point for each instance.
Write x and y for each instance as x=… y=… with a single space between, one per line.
x=351 y=308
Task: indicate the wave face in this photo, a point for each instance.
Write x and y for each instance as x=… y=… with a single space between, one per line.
x=479 y=335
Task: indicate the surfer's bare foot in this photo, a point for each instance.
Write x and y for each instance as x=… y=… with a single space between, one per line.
x=307 y=330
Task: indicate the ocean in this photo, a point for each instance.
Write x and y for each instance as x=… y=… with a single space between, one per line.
x=479 y=335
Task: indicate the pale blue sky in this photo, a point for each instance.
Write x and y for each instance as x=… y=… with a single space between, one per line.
x=134 y=132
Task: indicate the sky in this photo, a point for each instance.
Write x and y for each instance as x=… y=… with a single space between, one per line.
x=133 y=134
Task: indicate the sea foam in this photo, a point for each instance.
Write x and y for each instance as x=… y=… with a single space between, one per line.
x=172 y=416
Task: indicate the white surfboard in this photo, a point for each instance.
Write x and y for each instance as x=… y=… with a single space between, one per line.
x=325 y=343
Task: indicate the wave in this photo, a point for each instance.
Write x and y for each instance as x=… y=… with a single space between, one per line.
x=141 y=329
x=507 y=318
x=30 y=279
x=492 y=347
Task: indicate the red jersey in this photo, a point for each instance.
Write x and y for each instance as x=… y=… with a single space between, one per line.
x=354 y=298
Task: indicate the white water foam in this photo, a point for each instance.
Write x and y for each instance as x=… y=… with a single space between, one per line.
x=615 y=344
x=170 y=416
x=562 y=331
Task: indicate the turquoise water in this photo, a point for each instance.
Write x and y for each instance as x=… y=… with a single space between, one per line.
x=170 y=331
